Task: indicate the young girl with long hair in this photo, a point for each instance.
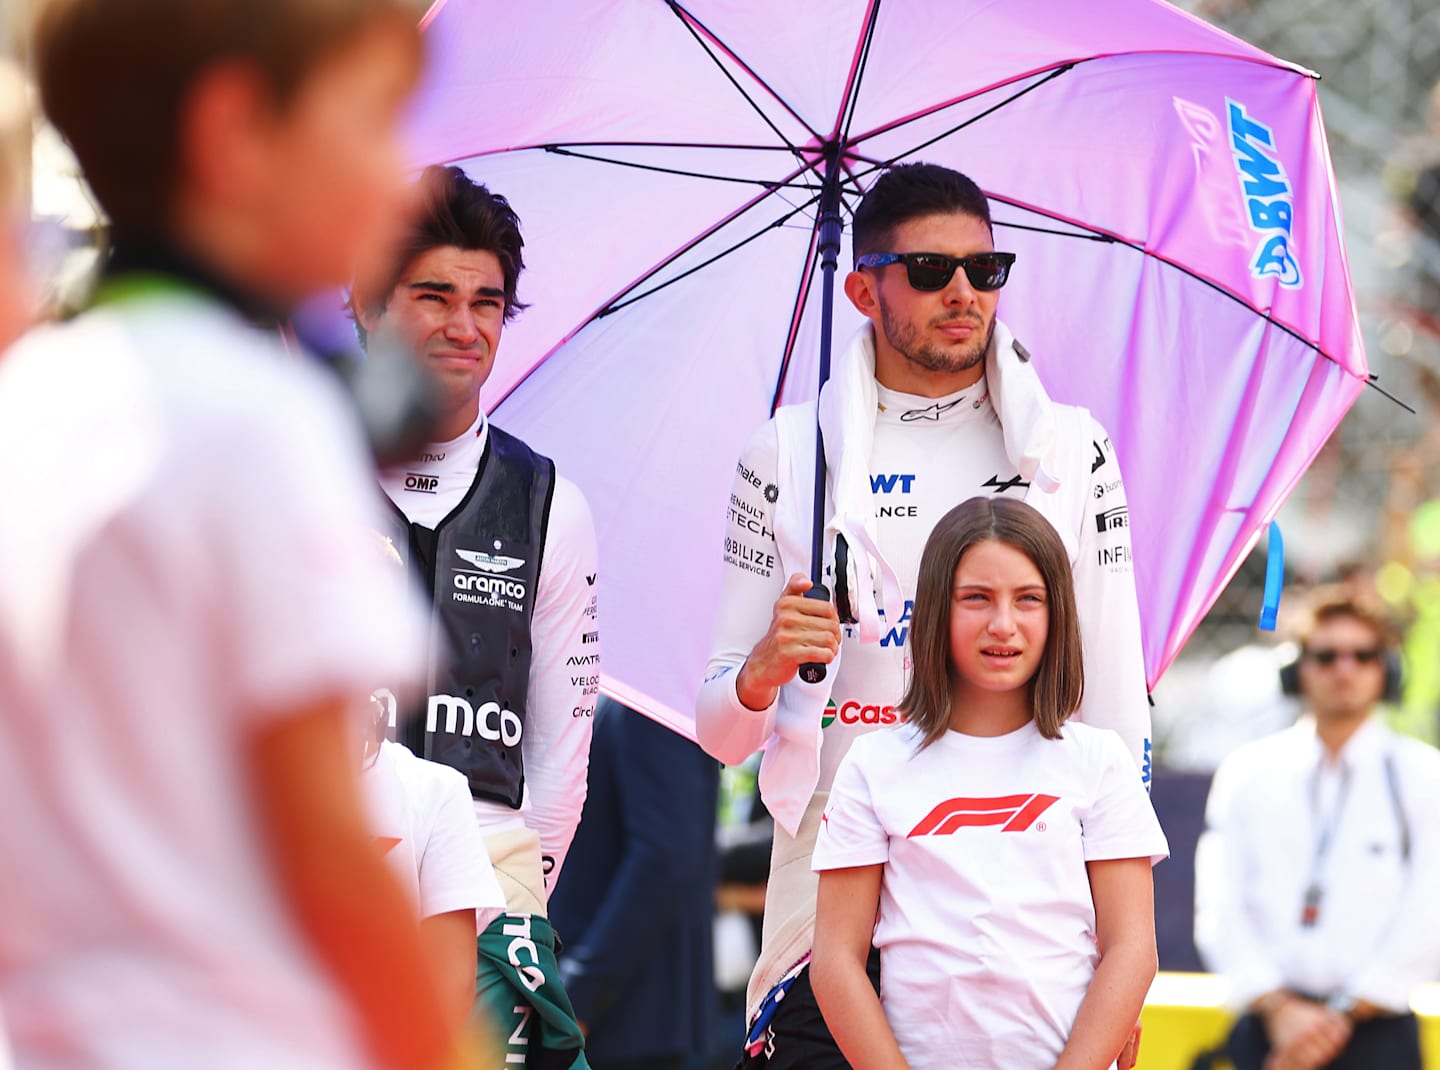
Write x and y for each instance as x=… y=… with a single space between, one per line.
x=997 y=856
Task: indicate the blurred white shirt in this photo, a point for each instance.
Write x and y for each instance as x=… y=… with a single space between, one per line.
x=183 y=559
x=1376 y=934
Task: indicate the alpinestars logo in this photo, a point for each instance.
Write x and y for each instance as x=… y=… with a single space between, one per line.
x=490 y=562
x=1013 y=813
x=933 y=412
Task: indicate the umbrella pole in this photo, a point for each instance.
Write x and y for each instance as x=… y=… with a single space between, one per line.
x=829 y=249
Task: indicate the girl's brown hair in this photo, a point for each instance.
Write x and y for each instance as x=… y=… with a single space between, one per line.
x=1059 y=682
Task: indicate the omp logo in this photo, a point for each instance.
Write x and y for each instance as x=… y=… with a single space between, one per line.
x=421 y=483
x=1013 y=813
x=1269 y=200
x=490 y=562
x=489 y=721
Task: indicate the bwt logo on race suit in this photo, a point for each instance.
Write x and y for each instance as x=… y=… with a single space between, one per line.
x=1269 y=199
x=885 y=484
x=901 y=632
x=490 y=721
x=1013 y=813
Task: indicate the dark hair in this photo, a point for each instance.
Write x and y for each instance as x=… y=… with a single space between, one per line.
x=114 y=76
x=453 y=211
x=909 y=191
x=1328 y=603
x=1059 y=682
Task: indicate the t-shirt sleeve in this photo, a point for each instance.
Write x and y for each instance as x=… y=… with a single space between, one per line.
x=455 y=870
x=851 y=833
x=307 y=604
x=1119 y=822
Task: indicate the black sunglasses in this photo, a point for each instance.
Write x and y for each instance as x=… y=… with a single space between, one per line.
x=1327 y=656
x=933 y=271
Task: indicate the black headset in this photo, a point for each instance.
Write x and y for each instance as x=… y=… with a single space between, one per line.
x=1391 y=692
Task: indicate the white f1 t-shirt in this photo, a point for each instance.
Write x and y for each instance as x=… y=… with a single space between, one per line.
x=986 y=927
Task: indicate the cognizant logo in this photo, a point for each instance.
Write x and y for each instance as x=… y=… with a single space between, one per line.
x=490 y=721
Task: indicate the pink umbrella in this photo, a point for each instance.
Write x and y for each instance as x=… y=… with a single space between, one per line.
x=1167 y=189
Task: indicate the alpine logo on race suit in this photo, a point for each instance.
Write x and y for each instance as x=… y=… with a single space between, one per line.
x=1013 y=813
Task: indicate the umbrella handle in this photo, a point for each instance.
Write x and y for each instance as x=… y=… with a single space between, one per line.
x=812 y=672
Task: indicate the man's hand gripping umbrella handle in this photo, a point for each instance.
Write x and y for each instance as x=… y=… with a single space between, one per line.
x=812 y=672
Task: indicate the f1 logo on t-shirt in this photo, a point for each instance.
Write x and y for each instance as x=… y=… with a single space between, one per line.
x=1013 y=813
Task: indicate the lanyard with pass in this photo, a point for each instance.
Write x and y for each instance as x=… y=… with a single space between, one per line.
x=1315 y=890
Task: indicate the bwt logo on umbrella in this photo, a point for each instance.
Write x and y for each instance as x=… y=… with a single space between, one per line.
x=1269 y=200
x=1013 y=813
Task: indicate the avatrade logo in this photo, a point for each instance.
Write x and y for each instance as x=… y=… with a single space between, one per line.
x=1013 y=813
x=1269 y=199
x=489 y=562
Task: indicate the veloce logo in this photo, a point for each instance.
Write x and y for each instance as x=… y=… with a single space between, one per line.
x=1013 y=813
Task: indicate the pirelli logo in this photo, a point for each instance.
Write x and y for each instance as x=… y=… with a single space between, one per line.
x=1013 y=813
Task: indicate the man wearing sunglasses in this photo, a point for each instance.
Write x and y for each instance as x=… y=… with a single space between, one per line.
x=1316 y=877
x=932 y=402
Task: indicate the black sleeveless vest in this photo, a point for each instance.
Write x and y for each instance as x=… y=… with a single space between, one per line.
x=481 y=566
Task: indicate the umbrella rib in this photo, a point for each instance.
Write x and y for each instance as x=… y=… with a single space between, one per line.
x=1143 y=250
x=857 y=73
x=766 y=183
x=1051 y=230
x=616 y=307
x=1056 y=73
x=690 y=22
x=802 y=295
x=1373 y=382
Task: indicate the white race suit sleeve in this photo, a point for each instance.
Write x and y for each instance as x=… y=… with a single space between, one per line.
x=564 y=677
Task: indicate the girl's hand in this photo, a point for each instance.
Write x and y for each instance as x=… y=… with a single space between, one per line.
x=1131 y=1051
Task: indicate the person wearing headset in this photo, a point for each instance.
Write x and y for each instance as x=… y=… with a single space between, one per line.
x=1316 y=876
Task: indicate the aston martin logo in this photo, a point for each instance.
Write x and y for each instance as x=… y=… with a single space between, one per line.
x=490 y=562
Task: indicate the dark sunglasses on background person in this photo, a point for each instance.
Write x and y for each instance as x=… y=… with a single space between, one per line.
x=933 y=271
x=1328 y=656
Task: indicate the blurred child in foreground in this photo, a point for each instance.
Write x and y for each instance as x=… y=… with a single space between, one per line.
x=189 y=605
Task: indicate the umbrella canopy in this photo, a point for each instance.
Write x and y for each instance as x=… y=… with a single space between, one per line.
x=1166 y=187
